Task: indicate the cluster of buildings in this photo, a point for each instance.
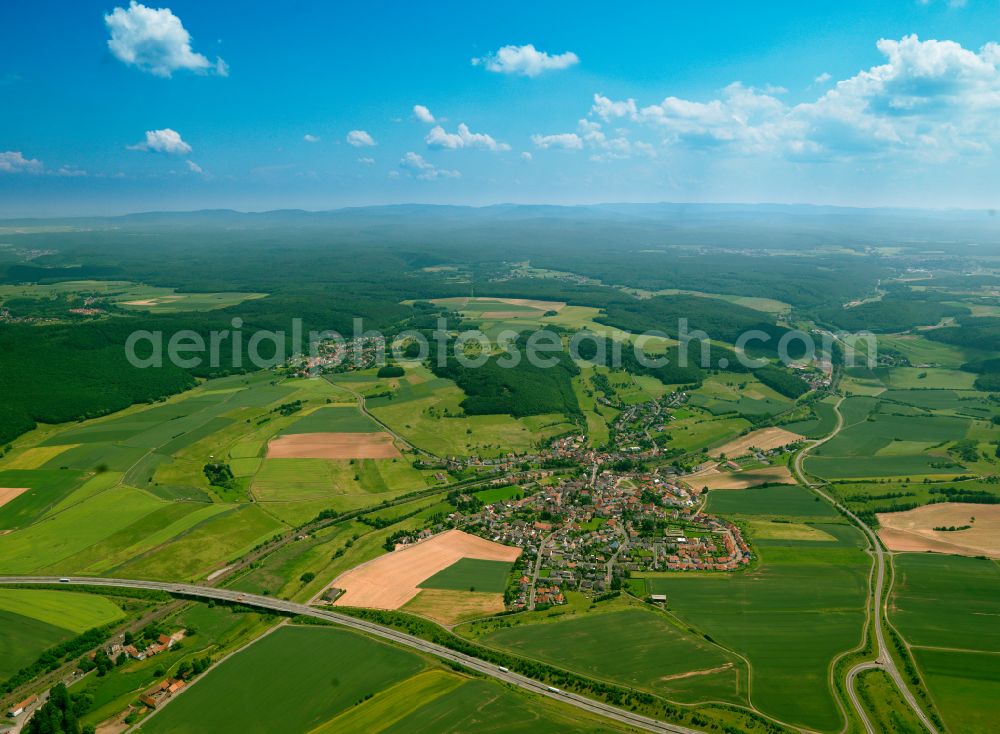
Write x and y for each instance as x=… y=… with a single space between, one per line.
x=339 y=355
x=162 y=644
x=606 y=517
x=161 y=692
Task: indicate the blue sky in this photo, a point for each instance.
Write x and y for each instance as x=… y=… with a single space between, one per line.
x=109 y=108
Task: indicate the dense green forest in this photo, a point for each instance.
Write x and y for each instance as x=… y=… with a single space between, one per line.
x=520 y=390
x=892 y=314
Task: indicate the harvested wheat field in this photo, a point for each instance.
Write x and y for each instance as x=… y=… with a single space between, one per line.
x=750 y=478
x=764 y=439
x=451 y=607
x=715 y=479
x=333 y=446
x=913 y=530
x=389 y=581
x=9 y=493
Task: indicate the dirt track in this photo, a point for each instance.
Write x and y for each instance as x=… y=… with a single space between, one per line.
x=333 y=446
x=389 y=581
x=913 y=530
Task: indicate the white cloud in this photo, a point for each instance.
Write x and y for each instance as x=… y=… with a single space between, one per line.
x=823 y=78
x=366 y=160
x=194 y=167
x=360 y=139
x=423 y=114
x=12 y=161
x=156 y=41
x=310 y=138
x=439 y=138
x=420 y=168
x=70 y=172
x=566 y=141
x=930 y=99
x=607 y=109
x=163 y=141
x=525 y=61
x=526 y=156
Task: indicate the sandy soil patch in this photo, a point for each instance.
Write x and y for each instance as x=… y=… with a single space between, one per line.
x=693 y=673
x=715 y=479
x=333 y=446
x=9 y=493
x=913 y=530
x=389 y=581
x=451 y=607
x=764 y=439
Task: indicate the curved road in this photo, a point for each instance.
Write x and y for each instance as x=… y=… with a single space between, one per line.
x=883 y=658
x=279 y=605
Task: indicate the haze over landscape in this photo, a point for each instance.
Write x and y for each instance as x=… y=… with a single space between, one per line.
x=389 y=368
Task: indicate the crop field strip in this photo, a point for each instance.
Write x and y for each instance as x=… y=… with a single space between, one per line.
x=946 y=608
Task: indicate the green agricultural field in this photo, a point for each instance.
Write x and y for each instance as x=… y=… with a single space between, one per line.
x=258 y=684
x=919 y=350
x=60 y=536
x=23 y=639
x=488 y=708
x=33 y=620
x=47 y=487
x=336 y=419
x=802 y=605
x=471 y=574
x=947 y=601
x=437 y=424
x=76 y=612
x=633 y=647
x=965 y=687
x=782 y=501
x=204 y=548
x=822 y=421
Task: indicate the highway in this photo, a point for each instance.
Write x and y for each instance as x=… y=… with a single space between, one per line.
x=401 y=638
x=883 y=658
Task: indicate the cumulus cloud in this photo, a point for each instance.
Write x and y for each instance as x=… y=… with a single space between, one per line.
x=525 y=61
x=526 y=156
x=163 y=141
x=366 y=160
x=823 y=78
x=933 y=99
x=13 y=161
x=194 y=167
x=423 y=114
x=155 y=40
x=310 y=138
x=360 y=139
x=439 y=138
x=566 y=141
x=415 y=164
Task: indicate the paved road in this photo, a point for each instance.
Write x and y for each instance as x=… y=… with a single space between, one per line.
x=376 y=630
x=883 y=658
x=851 y=675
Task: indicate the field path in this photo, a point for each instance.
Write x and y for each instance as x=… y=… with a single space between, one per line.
x=875 y=606
x=364 y=410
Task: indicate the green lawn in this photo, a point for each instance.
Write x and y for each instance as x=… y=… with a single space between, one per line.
x=471 y=574
x=292 y=680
